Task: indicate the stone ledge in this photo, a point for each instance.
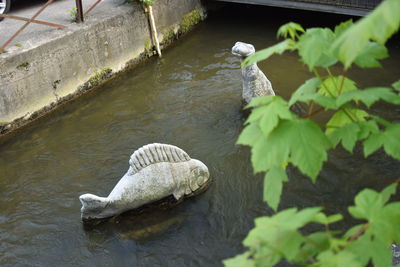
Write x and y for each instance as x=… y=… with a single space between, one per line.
x=69 y=62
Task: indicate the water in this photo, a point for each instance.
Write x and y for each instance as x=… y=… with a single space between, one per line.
x=191 y=98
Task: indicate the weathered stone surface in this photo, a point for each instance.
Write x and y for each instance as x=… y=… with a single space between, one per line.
x=255 y=83
x=156 y=171
x=51 y=67
x=396 y=255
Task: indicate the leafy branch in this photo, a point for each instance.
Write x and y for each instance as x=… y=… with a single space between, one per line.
x=279 y=138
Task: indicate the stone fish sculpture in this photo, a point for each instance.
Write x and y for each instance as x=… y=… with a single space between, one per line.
x=156 y=171
x=255 y=83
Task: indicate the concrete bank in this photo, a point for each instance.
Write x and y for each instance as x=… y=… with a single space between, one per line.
x=71 y=61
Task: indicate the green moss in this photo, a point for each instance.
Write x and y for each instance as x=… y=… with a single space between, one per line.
x=23 y=65
x=169 y=34
x=189 y=20
x=18 y=45
x=148 y=47
x=142 y=2
x=99 y=77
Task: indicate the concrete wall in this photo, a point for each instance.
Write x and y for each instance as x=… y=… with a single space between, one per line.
x=42 y=76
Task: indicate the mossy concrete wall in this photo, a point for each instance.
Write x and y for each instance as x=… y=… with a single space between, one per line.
x=73 y=60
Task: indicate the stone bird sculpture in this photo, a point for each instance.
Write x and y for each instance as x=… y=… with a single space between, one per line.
x=255 y=83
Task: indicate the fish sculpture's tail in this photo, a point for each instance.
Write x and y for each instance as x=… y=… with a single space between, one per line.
x=92 y=202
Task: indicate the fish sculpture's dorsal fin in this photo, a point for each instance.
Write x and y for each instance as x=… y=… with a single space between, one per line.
x=154 y=153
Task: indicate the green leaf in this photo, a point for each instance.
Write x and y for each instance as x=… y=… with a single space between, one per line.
x=289 y=244
x=241 y=260
x=272 y=151
x=384 y=224
x=368 y=203
x=292 y=137
x=366 y=128
x=335 y=85
x=348 y=134
x=369 y=96
x=343 y=258
x=314 y=46
x=306 y=92
x=306 y=155
x=381 y=255
x=396 y=85
x=381 y=121
x=373 y=143
x=389 y=139
x=250 y=135
x=369 y=56
x=279 y=48
x=391 y=142
x=257 y=113
x=342 y=27
x=323 y=219
x=289 y=219
x=391 y=215
x=361 y=247
x=325 y=101
x=290 y=29
x=259 y=101
x=378 y=26
x=315 y=243
x=343 y=117
x=276 y=110
x=273 y=181
x=353 y=230
x=388 y=192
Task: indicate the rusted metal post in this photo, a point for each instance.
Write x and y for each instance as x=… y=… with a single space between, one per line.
x=92 y=7
x=33 y=21
x=79 y=11
x=2 y=48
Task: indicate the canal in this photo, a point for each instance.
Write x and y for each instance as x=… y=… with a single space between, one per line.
x=190 y=98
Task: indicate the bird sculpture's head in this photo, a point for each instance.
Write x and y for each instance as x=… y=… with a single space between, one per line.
x=242 y=49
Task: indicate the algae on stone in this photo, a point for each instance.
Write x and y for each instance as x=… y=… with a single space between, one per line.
x=98 y=78
x=23 y=65
x=189 y=20
x=169 y=34
x=148 y=47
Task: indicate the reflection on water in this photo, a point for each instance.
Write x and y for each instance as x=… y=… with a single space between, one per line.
x=191 y=98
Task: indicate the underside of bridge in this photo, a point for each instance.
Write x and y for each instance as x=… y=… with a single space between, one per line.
x=347 y=7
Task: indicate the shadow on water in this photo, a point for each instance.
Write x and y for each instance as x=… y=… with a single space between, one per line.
x=191 y=98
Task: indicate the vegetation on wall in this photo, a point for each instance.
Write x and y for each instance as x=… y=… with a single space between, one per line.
x=147 y=7
x=279 y=138
x=189 y=20
x=143 y=2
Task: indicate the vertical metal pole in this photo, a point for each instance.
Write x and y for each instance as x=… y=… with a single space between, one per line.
x=79 y=11
x=154 y=30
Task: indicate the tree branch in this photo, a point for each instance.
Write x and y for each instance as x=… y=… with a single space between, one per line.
x=359 y=233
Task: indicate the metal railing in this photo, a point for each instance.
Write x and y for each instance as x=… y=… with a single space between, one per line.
x=362 y=4
x=79 y=19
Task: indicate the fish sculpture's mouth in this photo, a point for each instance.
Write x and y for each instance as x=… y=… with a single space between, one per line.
x=242 y=49
x=203 y=187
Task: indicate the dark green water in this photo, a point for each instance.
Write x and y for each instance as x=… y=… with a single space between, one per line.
x=191 y=98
